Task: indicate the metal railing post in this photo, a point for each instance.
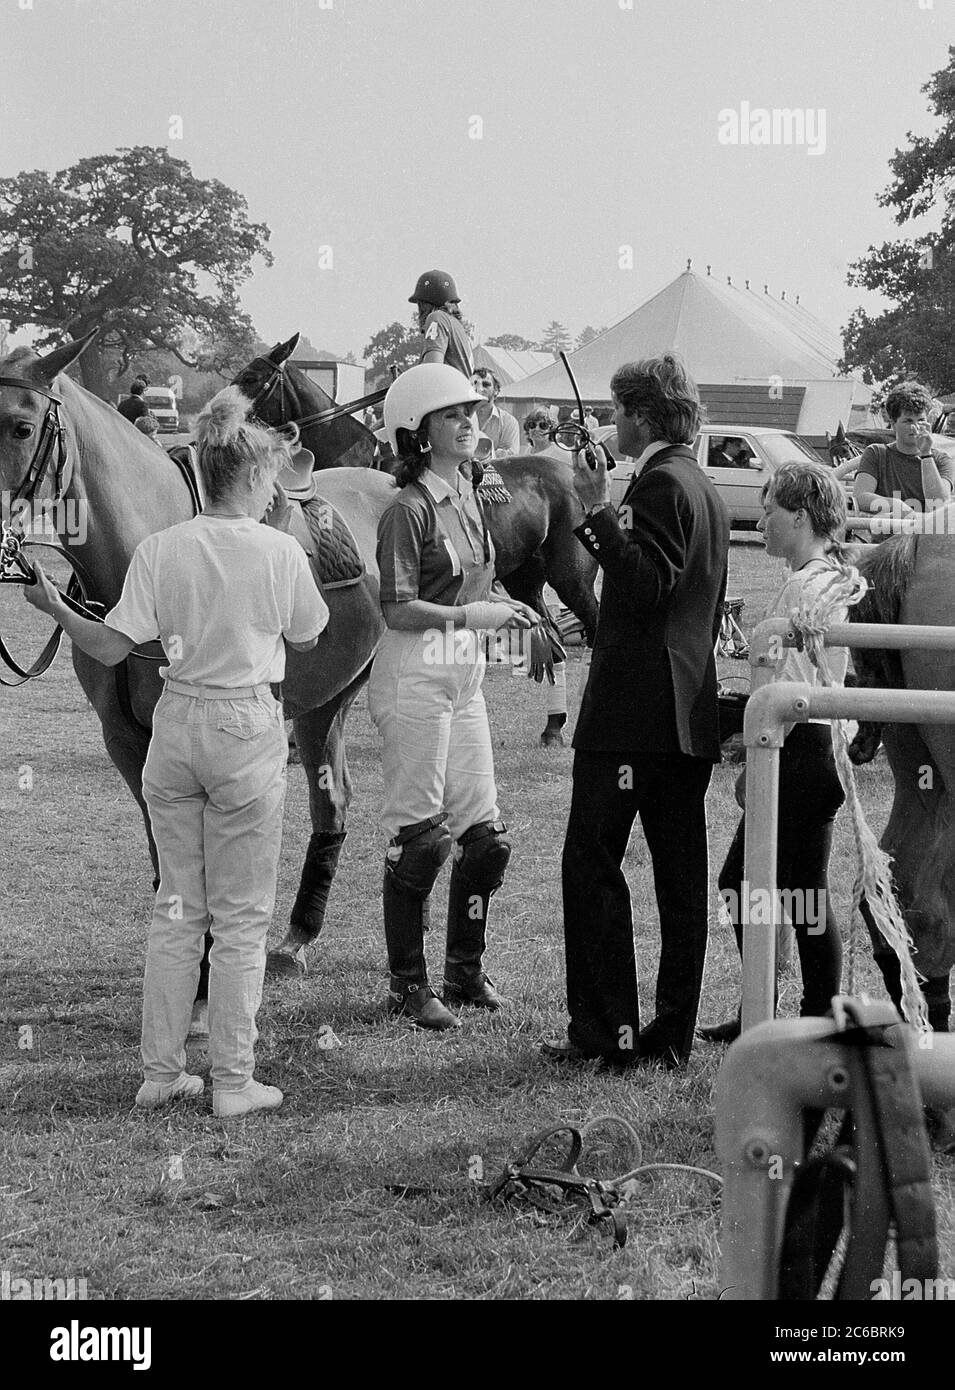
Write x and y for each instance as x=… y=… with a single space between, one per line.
x=773 y=704
x=766 y=1081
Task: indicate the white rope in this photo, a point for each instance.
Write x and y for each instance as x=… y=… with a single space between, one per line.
x=812 y=620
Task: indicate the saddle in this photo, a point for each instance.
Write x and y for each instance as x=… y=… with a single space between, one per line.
x=327 y=539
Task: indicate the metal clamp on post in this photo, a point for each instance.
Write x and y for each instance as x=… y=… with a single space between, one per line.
x=783 y=1216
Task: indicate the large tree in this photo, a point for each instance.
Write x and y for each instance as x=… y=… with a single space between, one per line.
x=914 y=337
x=134 y=244
x=394 y=344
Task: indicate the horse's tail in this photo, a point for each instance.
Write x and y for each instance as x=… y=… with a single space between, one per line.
x=888 y=568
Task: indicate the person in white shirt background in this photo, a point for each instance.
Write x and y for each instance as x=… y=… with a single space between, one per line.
x=220 y=592
x=495 y=423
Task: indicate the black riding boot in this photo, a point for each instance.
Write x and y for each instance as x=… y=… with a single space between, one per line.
x=406 y=917
x=480 y=861
x=464 y=979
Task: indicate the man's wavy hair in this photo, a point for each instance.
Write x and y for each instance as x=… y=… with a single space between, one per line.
x=908 y=396
x=665 y=395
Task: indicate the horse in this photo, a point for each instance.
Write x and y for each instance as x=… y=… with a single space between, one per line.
x=533 y=533
x=911 y=579
x=339 y=442
x=126 y=488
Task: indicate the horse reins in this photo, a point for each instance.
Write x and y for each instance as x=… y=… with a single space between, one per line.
x=320 y=417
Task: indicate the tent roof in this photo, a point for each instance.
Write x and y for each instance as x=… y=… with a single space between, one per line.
x=510 y=366
x=725 y=334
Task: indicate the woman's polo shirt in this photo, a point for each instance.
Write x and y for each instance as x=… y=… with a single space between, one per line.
x=433 y=544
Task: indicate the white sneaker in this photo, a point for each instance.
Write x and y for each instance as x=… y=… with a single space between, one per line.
x=153 y=1093
x=228 y=1105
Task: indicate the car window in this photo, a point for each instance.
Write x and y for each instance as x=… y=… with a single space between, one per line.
x=164 y=399
x=787 y=448
x=730 y=451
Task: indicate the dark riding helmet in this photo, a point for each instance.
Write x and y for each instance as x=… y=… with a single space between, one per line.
x=435 y=287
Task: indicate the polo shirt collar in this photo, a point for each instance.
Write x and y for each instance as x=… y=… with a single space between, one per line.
x=440 y=490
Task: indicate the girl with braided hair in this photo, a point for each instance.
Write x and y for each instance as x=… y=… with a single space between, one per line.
x=221 y=593
x=803 y=521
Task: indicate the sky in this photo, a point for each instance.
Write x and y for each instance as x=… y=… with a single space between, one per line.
x=563 y=159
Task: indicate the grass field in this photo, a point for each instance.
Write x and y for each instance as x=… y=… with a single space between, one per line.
x=302 y=1203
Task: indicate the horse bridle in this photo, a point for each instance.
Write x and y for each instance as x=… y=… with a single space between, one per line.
x=14 y=567
x=276 y=378
x=51 y=438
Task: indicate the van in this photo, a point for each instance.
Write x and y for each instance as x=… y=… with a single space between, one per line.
x=161 y=402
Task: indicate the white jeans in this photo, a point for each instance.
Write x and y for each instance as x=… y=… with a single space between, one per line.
x=214 y=783
x=433 y=721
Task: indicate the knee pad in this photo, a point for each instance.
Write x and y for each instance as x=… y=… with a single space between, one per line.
x=482 y=855
x=415 y=856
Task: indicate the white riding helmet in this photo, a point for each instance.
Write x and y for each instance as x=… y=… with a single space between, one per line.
x=419 y=390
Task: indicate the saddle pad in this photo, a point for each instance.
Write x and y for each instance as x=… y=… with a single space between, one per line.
x=333 y=552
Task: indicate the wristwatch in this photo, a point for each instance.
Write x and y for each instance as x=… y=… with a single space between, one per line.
x=597 y=507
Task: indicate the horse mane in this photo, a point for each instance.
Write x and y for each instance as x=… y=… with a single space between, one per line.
x=888 y=568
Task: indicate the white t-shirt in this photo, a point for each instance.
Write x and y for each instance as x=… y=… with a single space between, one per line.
x=220 y=593
x=804 y=587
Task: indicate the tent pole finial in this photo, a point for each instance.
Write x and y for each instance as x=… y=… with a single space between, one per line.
x=689 y=262
x=709 y=270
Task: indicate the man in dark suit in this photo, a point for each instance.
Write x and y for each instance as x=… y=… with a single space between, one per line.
x=648 y=732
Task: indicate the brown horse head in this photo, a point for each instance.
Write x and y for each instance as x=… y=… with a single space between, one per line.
x=282 y=394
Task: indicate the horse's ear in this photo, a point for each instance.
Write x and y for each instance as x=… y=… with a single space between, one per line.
x=283 y=351
x=48 y=368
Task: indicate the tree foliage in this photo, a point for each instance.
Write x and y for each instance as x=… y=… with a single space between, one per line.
x=394 y=344
x=588 y=334
x=512 y=342
x=555 y=337
x=913 y=337
x=134 y=244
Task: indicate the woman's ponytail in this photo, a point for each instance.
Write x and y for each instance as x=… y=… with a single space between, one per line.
x=227 y=440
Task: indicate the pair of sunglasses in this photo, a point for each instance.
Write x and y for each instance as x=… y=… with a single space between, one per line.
x=545 y=428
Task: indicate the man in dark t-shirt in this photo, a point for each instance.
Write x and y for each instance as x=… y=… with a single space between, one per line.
x=134 y=406
x=908 y=475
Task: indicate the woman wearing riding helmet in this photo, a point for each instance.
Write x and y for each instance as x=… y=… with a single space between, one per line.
x=438 y=594
x=214 y=778
x=804 y=516
x=439 y=318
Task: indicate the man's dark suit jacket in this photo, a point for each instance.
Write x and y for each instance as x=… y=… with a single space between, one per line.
x=652 y=682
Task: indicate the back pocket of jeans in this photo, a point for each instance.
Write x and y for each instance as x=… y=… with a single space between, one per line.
x=245 y=720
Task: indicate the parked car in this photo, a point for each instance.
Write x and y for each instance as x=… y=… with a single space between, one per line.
x=161 y=402
x=738 y=458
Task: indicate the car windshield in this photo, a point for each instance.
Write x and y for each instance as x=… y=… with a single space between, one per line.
x=786 y=448
x=161 y=398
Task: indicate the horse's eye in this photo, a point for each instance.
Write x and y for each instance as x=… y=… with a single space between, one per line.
x=22 y=430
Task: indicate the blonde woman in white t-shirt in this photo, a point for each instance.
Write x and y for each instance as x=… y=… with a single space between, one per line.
x=221 y=592
x=804 y=512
